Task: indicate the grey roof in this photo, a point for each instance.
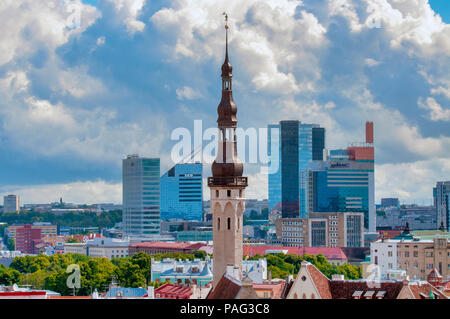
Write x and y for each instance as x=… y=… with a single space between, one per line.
x=127 y=292
x=206 y=272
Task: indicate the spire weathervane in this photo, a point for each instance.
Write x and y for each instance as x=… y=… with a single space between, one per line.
x=226 y=28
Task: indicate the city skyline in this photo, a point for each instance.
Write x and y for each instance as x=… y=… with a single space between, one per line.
x=85 y=97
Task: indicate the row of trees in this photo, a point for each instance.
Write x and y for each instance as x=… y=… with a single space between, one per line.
x=49 y=272
x=71 y=219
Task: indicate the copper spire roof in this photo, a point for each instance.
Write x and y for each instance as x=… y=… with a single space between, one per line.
x=227 y=108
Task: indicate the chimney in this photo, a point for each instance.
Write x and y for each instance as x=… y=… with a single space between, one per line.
x=236 y=273
x=230 y=270
x=369 y=132
x=337 y=277
x=151 y=292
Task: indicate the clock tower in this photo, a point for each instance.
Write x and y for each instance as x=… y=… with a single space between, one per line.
x=227 y=184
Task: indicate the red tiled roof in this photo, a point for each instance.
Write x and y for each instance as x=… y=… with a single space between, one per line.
x=330 y=253
x=277 y=288
x=69 y=297
x=22 y=293
x=321 y=282
x=422 y=290
x=173 y=291
x=225 y=289
x=168 y=245
x=157 y=244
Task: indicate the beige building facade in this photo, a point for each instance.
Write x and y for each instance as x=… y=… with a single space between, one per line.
x=322 y=230
x=419 y=257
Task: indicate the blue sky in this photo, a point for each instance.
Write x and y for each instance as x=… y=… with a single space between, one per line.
x=83 y=85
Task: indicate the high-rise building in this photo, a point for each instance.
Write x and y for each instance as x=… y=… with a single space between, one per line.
x=441 y=194
x=227 y=185
x=295 y=145
x=27 y=238
x=182 y=193
x=11 y=204
x=343 y=183
x=141 y=196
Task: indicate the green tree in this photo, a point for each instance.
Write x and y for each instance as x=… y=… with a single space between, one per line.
x=8 y=276
x=130 y=275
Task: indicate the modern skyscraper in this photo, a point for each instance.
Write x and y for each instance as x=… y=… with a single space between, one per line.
x=11 y=204
x=442 y=202
x=182 y=193
x=141 y=196
x=227 y=184
x=296 y=146
x=344 y=183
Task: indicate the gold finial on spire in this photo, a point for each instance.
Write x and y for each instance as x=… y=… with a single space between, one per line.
x=226 y=20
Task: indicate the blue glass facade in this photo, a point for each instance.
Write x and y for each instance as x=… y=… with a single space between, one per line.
x=141 y=200
x=294 y=148
x=182 y=193
x=343 y=185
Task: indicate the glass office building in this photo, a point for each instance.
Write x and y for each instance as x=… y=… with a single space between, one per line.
x=292 y=146
x=341 y=185
x=182 y=192
x=141 y=196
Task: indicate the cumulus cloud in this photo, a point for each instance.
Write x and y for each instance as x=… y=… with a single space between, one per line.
x=89 y=192
x=187 y=93
x=129 y=11
x=437 y=112
x=410 y=181
x=267 y=35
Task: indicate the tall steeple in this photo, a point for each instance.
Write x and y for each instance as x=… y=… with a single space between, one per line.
x=227 y=183
x=227 y=163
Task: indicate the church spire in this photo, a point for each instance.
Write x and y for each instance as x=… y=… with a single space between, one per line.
x=227 y=163
x=227 y=108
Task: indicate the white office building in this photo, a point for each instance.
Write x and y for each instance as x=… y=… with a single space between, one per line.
x=141 y=196
x=108 y=247
x=11 y=204
x=384 y=255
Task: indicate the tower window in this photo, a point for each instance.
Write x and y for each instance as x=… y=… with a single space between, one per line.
x=229 y=193
x=240 y=193
x=229 y=223
x=217 y=193
x=218 y=223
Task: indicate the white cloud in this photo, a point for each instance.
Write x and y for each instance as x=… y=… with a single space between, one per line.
x=78 y=83
x=32 y=23
x=410 y=181
x=90 y=192
x=371 y=62
x=187 y=93
x=437 y=112
x=129 y=11
x=274 y=45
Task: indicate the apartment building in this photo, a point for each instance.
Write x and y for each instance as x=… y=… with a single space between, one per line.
x=322 y=230
x=417 y=257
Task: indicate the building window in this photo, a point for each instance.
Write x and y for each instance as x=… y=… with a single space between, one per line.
x=406 y=253
x=229 y=193
x=416 y=254
x=229 y=223
x=389 y=253
x=217 y=193
x=218 y=223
